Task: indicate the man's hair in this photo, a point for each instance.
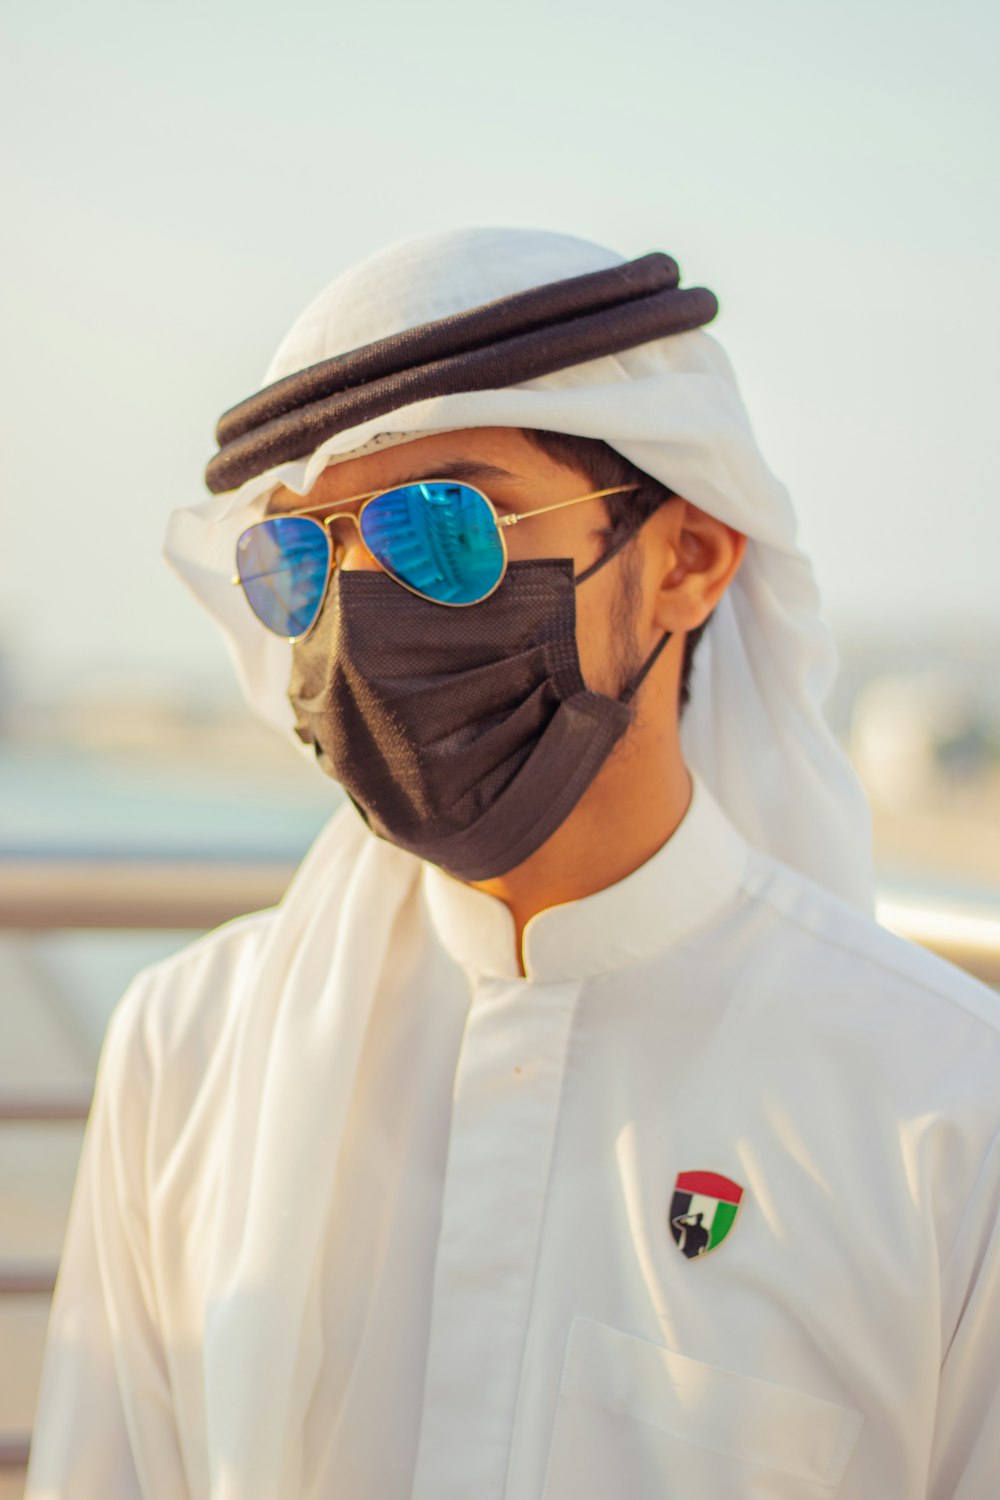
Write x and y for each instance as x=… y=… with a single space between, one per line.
x=605 y=468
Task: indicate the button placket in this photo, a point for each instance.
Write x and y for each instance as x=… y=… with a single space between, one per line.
x=508 y=1089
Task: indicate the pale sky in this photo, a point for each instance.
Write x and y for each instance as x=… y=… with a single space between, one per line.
x=180 y=180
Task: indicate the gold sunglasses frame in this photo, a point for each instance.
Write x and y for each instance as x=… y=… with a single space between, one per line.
x=502 y=523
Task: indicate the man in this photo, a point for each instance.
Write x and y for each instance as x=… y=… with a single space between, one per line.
x=567 y=1131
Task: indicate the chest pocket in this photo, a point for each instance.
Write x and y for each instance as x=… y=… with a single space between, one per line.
x=636 y=1419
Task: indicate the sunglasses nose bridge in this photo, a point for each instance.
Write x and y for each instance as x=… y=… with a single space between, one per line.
x=349 y=551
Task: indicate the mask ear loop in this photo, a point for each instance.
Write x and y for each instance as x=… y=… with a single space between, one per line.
x=637 y=680
x=612 y=551
x=650 y=661
x=623 y=541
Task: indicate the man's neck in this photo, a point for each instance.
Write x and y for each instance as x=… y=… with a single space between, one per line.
x=628 y=813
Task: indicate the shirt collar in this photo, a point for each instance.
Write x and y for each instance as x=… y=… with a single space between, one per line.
x=688 y=880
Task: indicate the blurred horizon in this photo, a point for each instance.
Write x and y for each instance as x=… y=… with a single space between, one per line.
x=130 y=764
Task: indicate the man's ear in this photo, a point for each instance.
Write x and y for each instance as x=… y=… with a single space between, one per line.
x=697 y=557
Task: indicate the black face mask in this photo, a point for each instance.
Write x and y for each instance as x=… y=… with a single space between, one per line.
x=466 y=736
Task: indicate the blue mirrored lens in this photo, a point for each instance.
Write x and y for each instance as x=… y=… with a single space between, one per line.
x=282 y=564
x=438 y=538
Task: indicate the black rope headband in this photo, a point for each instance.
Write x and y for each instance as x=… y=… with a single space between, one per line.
x=500 y=343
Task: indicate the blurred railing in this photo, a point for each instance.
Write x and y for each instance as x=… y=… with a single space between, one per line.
x=115 y=895
x=49 y=895
x=969 y=938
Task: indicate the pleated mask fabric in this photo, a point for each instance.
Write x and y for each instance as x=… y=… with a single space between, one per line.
x=464 y=736
x=754 y=731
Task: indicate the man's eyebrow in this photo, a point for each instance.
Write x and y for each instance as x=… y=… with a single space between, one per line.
x=456 y=468
x=460 y=468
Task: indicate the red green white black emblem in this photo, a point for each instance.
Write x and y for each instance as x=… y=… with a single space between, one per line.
x=702 y=1211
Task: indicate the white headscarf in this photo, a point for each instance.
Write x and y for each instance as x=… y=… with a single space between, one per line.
x=753 y=731
x=754 y=728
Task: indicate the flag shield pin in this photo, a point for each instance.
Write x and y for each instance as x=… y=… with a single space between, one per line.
x=702 y=1211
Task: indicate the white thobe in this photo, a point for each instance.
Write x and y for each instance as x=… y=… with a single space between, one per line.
x=506 y=1309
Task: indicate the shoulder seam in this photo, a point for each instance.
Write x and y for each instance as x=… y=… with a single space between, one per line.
x=760 y=893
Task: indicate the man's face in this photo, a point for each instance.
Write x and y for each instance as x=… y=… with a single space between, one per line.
x=518 y=478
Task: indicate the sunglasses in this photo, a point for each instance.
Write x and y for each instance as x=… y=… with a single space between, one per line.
x=440 y=539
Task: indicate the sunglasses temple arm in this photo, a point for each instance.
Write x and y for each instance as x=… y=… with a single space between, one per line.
x=542 y=510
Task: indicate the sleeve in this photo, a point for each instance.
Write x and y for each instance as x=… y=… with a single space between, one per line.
x=104 y=1422
x=965 y=1457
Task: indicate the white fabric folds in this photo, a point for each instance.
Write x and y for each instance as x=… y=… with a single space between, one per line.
x=754 y=733
x=301 y=1032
